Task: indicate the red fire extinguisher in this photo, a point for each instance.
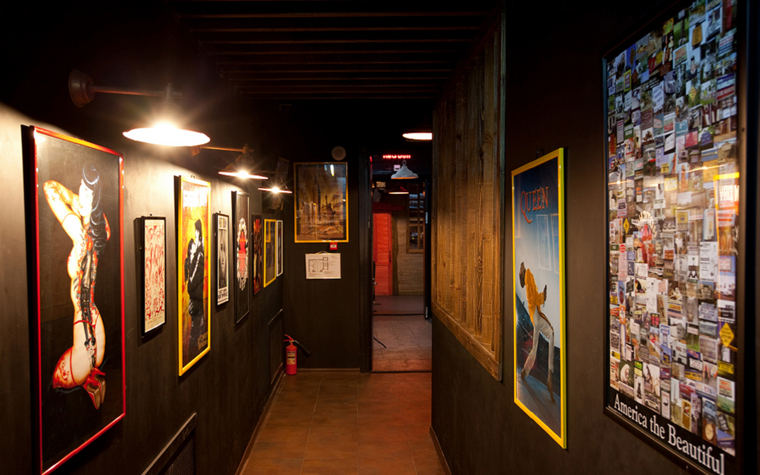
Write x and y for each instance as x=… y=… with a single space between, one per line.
x=291 y=354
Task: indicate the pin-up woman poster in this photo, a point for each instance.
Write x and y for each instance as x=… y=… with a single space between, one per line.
x=77 y=244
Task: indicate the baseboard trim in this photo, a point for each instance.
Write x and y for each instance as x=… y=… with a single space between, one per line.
x=279 y=381
x=439 y=451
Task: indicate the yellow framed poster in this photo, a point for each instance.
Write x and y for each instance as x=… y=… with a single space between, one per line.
x=193 y=219
x=538 y=284
x=270 y=251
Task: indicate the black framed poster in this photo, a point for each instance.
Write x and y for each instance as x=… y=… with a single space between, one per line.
x=153 y=275
x=241 y=226
x=674 y=322
x=222 y=258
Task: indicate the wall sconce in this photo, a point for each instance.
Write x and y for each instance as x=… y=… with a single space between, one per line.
x=243 y=166
x=418 y=134
x=165 y=131
x=279 y=185
x=404 y=173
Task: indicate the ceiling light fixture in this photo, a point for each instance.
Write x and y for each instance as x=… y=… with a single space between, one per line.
x=404 y=173
x=418 y=135
x=400 y=191
x=277 y=189
x=243 y=166
x=165 y=129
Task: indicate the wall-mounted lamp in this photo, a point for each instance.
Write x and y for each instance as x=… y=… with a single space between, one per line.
x=278 y=189
x=243 y=166
x=165 y=129
x=418 y=134
x=404 y=173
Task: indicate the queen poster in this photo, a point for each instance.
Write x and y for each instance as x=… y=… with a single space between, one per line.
x=74 y=223
x=539 y=292
x=193 y=272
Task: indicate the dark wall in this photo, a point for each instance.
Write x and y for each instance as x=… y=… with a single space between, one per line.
x=554 y=96
x=138 y=46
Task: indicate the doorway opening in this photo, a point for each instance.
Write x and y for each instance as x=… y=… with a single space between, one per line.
x=402 y=335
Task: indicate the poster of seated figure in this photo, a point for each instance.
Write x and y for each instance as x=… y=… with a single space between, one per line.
x=539 y=292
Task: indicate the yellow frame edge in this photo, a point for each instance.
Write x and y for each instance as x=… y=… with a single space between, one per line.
x=560 y=155
x=180 y=272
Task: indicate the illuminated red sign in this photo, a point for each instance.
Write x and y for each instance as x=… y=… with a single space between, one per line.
x=397 y=157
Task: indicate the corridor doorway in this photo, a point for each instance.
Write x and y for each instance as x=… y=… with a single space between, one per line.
x=402 y=336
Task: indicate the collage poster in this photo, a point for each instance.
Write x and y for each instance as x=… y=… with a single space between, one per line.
x=673 y=209
x=539 y=292
x=193 y=272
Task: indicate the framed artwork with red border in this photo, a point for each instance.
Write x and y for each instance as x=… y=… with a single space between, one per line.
x=75 y=248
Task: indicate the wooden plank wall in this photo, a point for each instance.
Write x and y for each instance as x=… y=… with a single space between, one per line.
x=468 y=212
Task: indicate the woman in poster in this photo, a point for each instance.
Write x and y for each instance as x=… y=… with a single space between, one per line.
x=82 y=217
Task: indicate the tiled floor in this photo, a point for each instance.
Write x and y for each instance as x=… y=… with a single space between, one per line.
x=399 y=305
x=408 y=340
x=348 y=423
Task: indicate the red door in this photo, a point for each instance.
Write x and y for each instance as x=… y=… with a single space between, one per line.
x=382 y=251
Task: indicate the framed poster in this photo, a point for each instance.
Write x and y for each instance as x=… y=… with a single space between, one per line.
x=279 y=248
x=321 y=208
x=193 y=219
x=674 y=321
x=153 y=276
x=257 y=236
x=538 y=277
x=242 y=227
x=270 y=251
x=74 y=205
x=222 y=257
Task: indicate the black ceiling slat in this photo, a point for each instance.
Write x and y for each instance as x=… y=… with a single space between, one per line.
x=393 y=78
x=400 y=58
x=287 y=69
x=252 y=50
x=425 y=23
x=327 y=37
x=327 y=9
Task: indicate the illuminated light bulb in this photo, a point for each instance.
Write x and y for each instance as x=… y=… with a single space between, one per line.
x=167 y=134
x=418 y=135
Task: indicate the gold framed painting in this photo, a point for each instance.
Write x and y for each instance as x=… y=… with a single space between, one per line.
x=193 y=219
x=321 y=202
x=270 y=251
x=538 y=282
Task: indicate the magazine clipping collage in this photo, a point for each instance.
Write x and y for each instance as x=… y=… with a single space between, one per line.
x=673 y=212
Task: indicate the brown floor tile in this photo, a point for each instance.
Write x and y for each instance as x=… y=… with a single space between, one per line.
x=331 y=450
x=273 y=466
x=372 y=449
x=277 y=450
x=293 y=434
x=330 y=467
x=386 y=466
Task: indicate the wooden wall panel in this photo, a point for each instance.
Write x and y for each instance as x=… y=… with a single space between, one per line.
x=467 y=228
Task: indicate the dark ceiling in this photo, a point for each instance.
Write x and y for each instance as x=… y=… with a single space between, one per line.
x=349 y=49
